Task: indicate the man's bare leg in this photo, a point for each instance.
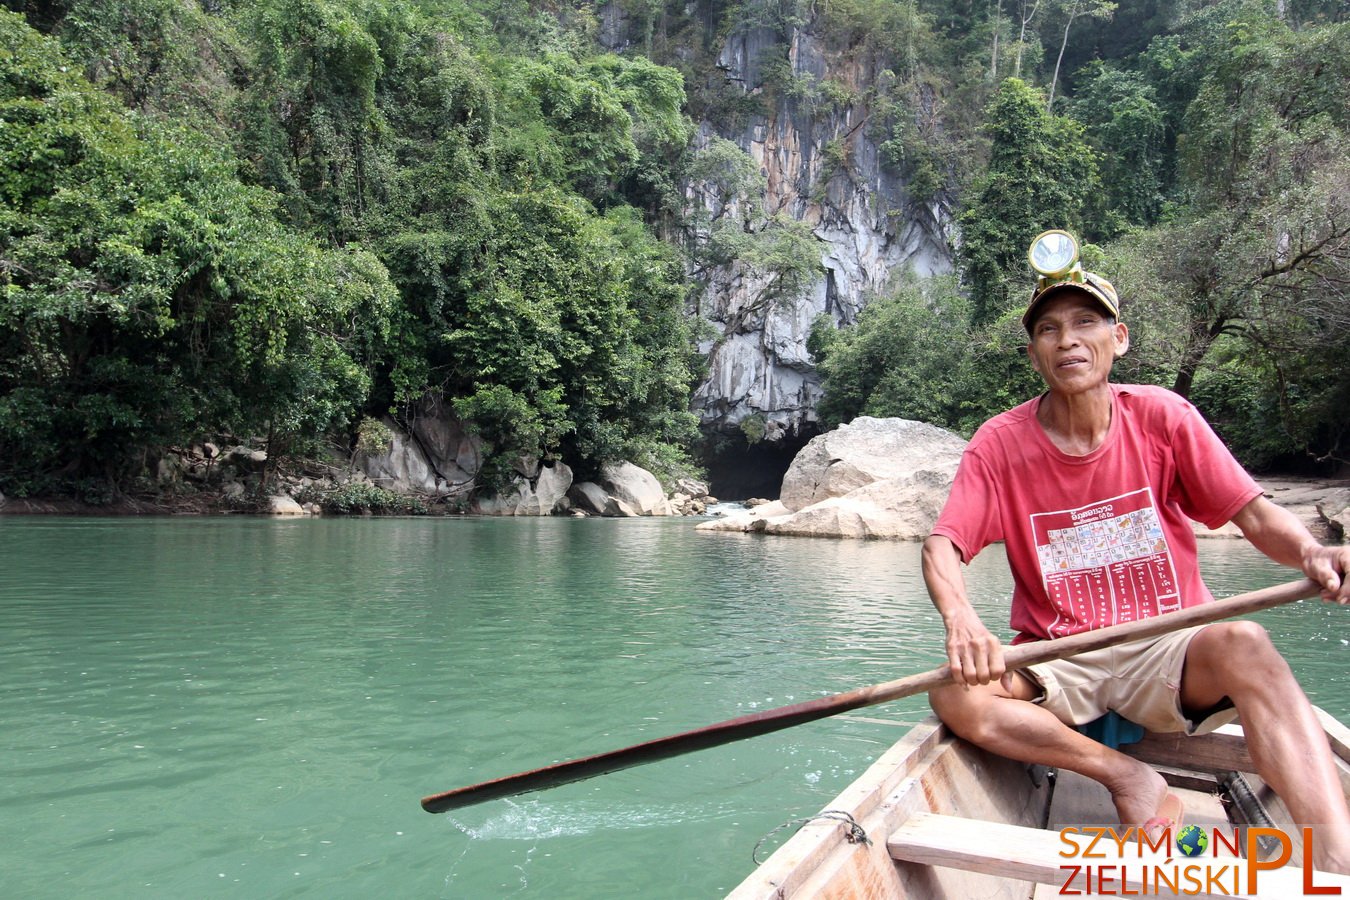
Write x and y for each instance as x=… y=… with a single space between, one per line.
x=1004 y=722
x=1287 y=743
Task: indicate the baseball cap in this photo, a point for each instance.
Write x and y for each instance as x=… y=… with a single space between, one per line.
x=1089 y=283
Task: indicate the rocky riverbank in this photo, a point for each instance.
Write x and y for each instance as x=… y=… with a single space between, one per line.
x=208 y=480
x=870 y=479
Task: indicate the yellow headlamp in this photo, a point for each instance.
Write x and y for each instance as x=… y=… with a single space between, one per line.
x=1053 y=255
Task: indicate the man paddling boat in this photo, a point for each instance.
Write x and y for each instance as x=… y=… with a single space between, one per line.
x=1092 y=487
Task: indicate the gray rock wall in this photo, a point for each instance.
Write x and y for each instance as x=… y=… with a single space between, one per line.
x=867 y=225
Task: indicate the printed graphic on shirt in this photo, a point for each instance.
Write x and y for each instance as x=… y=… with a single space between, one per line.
x=1105 y=563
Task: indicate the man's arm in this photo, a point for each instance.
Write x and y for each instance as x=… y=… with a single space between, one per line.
x=1279 y=534
x=975 y=655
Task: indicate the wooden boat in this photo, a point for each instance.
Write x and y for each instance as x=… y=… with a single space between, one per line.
x=944 y=819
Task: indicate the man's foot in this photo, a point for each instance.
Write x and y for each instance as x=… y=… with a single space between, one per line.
x=1165 y=820
x=1139 y=795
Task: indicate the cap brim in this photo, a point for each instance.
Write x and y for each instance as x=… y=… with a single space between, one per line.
x=1055 y=290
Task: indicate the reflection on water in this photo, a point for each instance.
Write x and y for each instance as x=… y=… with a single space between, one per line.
x=228 y=707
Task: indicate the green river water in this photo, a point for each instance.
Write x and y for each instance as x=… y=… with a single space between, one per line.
x=252 y=708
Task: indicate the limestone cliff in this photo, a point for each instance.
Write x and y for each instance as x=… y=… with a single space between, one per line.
x=821 y=166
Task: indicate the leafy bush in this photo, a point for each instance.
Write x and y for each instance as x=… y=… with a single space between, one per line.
x=914 y=354
x=357 y=498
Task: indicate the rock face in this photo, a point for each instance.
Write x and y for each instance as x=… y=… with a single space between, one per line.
x=542 y=496
x=871 y=479
x=436 y=455
x=592 y=499
x=622 y=490
x=865 y=219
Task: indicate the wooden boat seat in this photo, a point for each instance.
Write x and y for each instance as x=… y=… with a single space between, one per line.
x=1033 y=855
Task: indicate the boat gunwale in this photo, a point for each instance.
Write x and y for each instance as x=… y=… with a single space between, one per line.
x=825 y=844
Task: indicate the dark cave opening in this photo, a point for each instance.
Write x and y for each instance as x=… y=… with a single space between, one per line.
x=738 y=470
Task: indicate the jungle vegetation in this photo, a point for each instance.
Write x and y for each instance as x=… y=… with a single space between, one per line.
x=281 y=218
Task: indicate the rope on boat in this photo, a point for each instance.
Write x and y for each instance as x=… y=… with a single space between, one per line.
x=854 y=835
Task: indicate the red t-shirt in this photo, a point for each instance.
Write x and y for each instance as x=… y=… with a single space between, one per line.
x=1099 y=539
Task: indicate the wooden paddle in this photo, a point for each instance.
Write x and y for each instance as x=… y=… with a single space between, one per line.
x=1016 y=657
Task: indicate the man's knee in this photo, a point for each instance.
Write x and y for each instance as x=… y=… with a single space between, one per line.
x=1245 y=636
x=1236 y=649
x=1237 y=660
x=965 y=710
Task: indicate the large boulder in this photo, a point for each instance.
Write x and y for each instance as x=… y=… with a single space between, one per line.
x=875 y=478
x=547 y=493
x=635 y=487
x=591 y=498
x=865 y=451
x=542 y=497
x=903 y=508
x=503 y=504
x=284 y=505
x=452 y=451
x=403 y=467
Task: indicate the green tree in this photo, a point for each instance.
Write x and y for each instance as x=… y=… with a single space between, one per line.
x=312 y=128
x=1259 y=253
x=1041 y=175
x=914 y=354
x=1127 y=126
x=599 y=125
x=1071 y=11
x=158 y=56
x=566 y=346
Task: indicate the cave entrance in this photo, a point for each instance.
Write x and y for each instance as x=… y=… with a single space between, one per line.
x=738 y=470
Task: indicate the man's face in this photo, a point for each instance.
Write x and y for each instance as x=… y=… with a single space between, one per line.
x=1074 y=342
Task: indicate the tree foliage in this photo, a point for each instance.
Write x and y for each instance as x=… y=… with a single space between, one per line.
x=914 y=353
x=427 y=217
x=1259 y=253
x=278 y=217
x=1041 y=175
x=1219 y=141
x=149 y=296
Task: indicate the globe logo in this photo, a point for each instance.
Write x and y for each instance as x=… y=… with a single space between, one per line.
x=1192 y=840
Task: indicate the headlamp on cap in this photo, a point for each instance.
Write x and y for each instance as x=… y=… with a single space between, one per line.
x=1054 y=257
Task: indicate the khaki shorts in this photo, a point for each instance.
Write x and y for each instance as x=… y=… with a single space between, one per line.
x=1140 y=680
